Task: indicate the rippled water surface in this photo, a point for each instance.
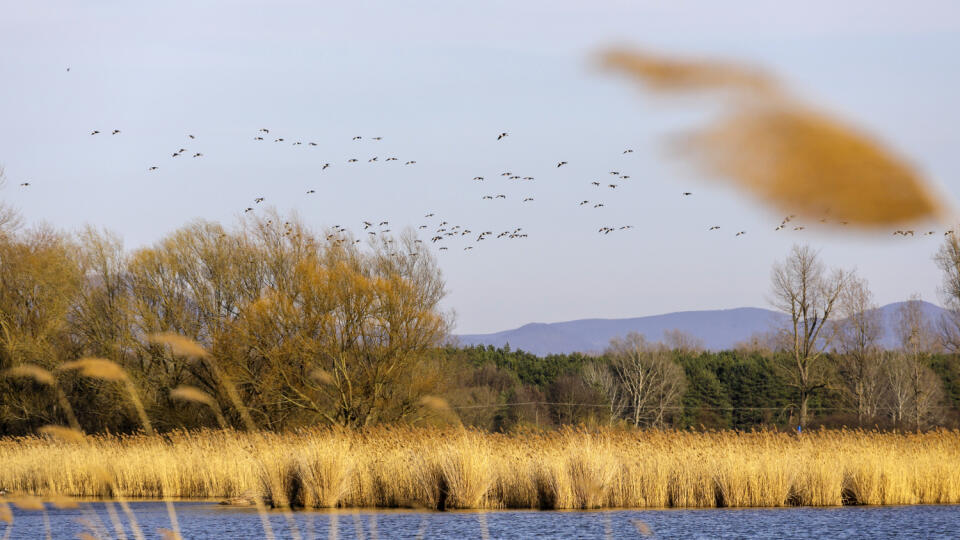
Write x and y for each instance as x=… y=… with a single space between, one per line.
x=206 y=520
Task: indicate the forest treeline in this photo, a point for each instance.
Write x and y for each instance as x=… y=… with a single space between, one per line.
x=308 y=328
x=738 y=389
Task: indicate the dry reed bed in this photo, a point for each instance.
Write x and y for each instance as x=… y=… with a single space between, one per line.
x=436 y=468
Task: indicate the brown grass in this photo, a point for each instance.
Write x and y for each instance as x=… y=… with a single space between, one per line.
x=456 y=468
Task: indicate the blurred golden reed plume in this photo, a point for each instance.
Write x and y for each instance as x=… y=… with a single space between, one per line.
x=322 y=376
x=179 y=345
x=97 y=368
x=785 y=153
x=192 y=393
x=64 y=434
x=30 y=371
x=435 y=403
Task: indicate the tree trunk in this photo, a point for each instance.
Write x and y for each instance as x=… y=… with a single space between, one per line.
x=804 y=397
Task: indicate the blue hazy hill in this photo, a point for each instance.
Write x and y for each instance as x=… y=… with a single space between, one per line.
x=717 y=329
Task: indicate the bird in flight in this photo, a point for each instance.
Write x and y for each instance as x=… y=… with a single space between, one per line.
x=715 y=227
x=411 y=162
x=25 y=184
x=357 y=138
x=377 y=138
x=687 y=193
x=264 y=130
x=583 y=202
x=309 y=191
x=741 y=233
x=312 y=143
x=325 y=165
x=628 y=151
x=612 y=186
x=352 y=160
x=478 y=178
x=502 y=135
x=198 y=154
x=191 y=136
x=114 y=132
x=247 y=209
x=94 y=132
x=527 y=199
x=598 y=205
x=501 y=196
x=153 y=168
x=258 y=200
x=278 y=140
x=258 y=138
x=597 y=184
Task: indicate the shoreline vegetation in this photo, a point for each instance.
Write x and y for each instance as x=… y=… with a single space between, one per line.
x=327 y=367
x=455 y=468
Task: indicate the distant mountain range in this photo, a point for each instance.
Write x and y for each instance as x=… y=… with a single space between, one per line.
x=717 y=329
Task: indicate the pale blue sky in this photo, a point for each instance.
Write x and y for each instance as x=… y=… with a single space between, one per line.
x=438 y=81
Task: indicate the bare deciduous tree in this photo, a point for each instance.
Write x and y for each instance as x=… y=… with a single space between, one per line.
x=916 y=391
x=9 y=218
x=652 y=382
x=683 y=342
x=601 y=376
x=948 y=259
x=804 y=289
x=857 y=337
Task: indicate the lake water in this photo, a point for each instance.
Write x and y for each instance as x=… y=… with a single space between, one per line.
x=207 y=520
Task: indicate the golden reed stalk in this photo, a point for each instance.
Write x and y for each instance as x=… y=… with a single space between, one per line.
x=457 y=468
x=75 y=434
x=101 y=368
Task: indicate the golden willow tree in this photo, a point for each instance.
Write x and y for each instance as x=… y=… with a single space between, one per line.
x=346 y=338
x=306 y=327
x=309 y=328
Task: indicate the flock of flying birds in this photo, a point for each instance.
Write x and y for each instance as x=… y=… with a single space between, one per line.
x=444 y=231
